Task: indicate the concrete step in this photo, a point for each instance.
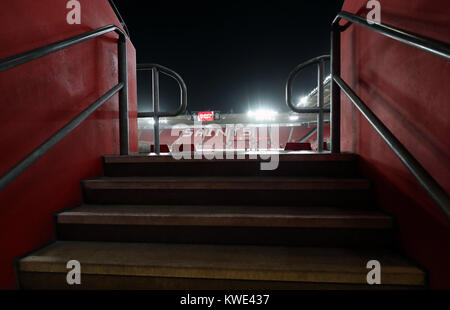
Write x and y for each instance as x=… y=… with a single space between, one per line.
x=312 y=165
x=108 y=265
x=275 y=225
x=227 y=191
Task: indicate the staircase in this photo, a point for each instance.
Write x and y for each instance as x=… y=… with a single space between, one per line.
x=160 y=223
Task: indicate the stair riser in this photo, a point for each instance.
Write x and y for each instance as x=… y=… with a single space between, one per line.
x=57 y=281
x=209 y=168
x=344 y=198
x=330 y=237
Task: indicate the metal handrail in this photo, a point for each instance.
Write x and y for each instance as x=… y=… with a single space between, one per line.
x=434 y=190
x=432 y=46
x=156 y=114
x=20 y=59
x=121 y=88
x=320 y=110
x=119 y=16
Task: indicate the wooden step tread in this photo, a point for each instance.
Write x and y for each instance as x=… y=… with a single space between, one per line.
x=227 y=183
x=283 y=157
x=235 y=216
x=261 y=263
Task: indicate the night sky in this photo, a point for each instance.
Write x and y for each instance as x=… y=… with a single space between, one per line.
x=233 y=55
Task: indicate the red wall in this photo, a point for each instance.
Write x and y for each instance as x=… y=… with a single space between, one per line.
x=409 y=91
x=40 y=97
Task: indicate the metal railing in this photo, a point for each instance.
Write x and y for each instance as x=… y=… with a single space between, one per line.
x=434 y=190
x=119 y=16
x=156 y=114
x=320 y=109
x=121 y=88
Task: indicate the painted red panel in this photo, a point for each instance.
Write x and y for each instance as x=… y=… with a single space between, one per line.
x=409 y=91
x=40 y=97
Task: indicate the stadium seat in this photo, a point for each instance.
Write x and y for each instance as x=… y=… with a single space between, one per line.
x=298 y=147
x=181 y=148
x=163 y=148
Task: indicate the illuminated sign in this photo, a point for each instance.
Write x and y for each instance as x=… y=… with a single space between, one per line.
x=205 y=116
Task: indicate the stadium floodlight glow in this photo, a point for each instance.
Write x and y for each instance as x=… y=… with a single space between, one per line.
x=303 y=101
x=263 y=115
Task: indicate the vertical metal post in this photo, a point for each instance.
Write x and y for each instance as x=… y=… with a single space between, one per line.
x=335 y=90
x=290 y=134
x=155 y=85
x=320 y=105
x=123 y=95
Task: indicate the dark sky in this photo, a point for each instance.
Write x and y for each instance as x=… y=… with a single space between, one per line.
x=231 y=54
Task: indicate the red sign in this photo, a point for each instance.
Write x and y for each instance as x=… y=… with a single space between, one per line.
x=205 y=116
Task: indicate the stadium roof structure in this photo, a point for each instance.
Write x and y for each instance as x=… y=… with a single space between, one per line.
x=311 y=98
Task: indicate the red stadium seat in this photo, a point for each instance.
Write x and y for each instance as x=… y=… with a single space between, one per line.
x=163 y=148
x=181 y=148
x=298 y=147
